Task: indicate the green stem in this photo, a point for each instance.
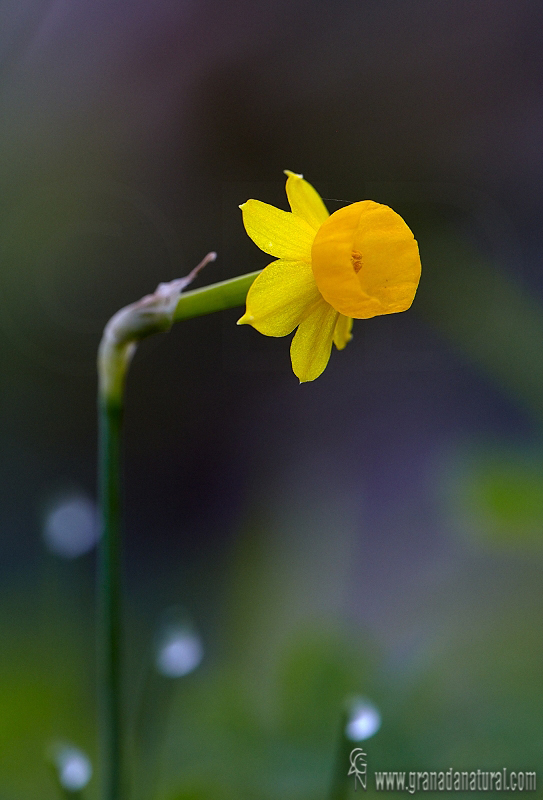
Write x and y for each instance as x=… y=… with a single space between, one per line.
x=109 y=591
x=152 y=314
x=339 y=788
x=217 y=297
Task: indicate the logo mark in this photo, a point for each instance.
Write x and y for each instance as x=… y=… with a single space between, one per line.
x=358 y=767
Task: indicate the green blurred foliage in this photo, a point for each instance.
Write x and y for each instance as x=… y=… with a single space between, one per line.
x=488 y=315
x=317 y=673
x=495 y=495
x=46 y=689
x=260 y=719
x=467 y=693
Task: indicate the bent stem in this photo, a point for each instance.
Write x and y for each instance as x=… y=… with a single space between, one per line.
x=152 y=314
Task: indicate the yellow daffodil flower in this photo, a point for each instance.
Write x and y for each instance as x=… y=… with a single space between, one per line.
x=358 y=262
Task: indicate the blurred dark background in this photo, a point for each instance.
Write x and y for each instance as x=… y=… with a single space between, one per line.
x=376 y=532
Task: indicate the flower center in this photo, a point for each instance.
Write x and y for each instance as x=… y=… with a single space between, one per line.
x=365 y=261
x=356 y=260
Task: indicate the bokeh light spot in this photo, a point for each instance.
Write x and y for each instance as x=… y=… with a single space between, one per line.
x=364 y=721
x=74 y=768
x=71 y=526
x=180 y=652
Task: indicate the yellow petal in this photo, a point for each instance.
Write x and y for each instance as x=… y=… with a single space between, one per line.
x=312 y=343
x=304 y=201
x=279 y=297
x=279 y=233
x=342 y=331
x=366 y=261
